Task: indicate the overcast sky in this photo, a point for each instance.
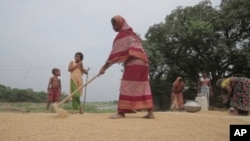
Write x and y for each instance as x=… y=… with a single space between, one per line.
x=38 y=35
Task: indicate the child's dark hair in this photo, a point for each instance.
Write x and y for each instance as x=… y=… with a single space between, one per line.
x=54 y=70
x=80 y=55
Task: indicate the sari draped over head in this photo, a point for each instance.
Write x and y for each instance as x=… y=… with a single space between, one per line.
x=126 y=44
x=177 y=94
x=178 y=85
x=135 y=92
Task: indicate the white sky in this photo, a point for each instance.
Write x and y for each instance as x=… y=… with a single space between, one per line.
x=38 y=35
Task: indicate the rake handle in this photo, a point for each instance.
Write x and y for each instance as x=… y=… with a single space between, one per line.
x=70 y=95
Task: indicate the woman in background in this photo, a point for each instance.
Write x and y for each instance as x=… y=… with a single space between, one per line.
x=238 y=93
x=177 y=95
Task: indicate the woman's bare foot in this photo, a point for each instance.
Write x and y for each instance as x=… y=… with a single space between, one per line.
x=149 y=116
x=118 y=116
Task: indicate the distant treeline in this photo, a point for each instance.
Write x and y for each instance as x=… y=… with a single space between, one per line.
x=8 y=94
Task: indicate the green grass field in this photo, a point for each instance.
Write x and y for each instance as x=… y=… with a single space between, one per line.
x=90 y=107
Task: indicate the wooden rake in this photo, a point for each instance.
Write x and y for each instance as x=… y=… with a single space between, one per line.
x=61 y=112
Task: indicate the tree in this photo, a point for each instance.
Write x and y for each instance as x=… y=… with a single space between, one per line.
x=234 y=33
x=200 y=38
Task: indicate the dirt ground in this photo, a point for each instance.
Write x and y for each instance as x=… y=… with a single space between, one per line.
x=168 y=126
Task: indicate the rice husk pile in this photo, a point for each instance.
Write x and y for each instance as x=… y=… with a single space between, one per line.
x=168 y=126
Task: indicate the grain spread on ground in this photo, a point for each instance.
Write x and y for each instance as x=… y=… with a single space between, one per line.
x=168 y=126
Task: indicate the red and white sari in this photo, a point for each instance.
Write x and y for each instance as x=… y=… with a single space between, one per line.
x=135 y=92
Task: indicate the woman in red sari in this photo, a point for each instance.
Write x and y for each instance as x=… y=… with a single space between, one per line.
x=135 y=92
x=177 y=94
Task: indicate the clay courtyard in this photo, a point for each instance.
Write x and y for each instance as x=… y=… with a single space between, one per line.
x=168 y=126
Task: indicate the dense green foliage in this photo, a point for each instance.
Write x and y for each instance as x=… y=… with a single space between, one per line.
x=8 y=94
x=195 y=39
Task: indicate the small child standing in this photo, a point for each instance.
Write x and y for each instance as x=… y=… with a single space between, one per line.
x=54 y=87
x=76 y=70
